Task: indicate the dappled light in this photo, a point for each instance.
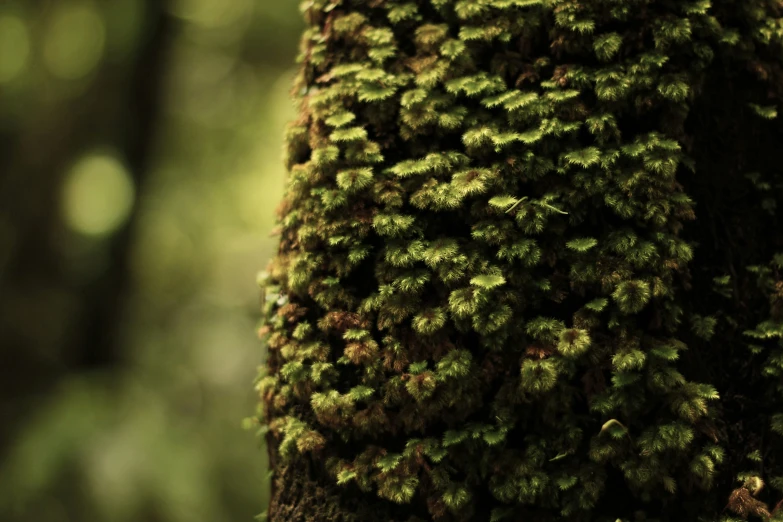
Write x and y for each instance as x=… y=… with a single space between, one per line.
x=98 y=195
x=74 y=41
x=14 y=47
x=140 y=165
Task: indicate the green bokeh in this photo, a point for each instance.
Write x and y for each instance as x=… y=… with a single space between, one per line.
x=156 y=435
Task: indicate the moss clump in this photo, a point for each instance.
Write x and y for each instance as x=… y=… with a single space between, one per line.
x=493 y=299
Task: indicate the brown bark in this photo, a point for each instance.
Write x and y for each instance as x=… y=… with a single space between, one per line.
x=302 y=492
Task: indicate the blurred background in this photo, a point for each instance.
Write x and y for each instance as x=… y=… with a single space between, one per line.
x=140 y=165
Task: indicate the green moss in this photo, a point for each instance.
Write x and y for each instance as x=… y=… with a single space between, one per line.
x=470 y=177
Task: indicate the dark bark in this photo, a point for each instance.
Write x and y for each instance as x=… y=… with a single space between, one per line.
x=302 y=492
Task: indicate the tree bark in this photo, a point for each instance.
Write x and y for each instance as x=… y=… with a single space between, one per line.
x=529 y=264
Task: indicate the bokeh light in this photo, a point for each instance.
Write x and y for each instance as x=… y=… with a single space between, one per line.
x=98 y=195
x=211 y=13
x=14 y=47
x=74 y=41
x=141 y=166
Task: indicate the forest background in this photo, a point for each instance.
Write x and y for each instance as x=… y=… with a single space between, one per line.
x=140 y=164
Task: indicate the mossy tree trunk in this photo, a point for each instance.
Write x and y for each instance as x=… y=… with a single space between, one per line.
x=530 y=264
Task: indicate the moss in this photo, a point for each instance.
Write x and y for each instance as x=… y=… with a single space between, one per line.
x=495 y=299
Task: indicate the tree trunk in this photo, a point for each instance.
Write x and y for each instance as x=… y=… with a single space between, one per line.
x=529 y=264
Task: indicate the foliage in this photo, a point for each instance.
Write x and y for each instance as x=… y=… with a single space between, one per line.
x=501 y=247
x=124 y=333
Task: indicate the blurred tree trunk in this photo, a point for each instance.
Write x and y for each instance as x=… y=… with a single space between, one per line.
x=62 y=294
